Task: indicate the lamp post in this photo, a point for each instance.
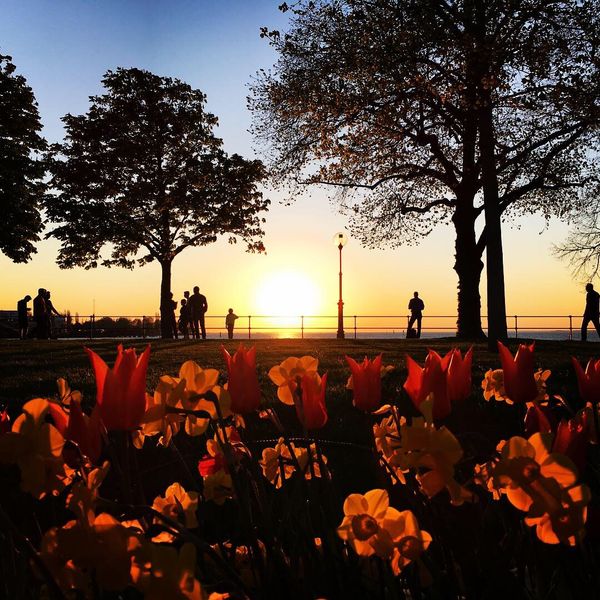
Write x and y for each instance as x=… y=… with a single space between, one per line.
x=340 y=239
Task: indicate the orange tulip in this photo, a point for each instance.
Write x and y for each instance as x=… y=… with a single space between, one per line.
x=519 y=377
x=588 y=381
x=430 y=379
x=243 y=381
x=366 y=383
x=312 y=412
x=121 y=391
x=459 y=375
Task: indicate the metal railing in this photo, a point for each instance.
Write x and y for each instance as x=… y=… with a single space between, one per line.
x=301 y=326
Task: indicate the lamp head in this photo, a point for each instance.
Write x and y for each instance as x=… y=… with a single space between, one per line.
x=340 y=239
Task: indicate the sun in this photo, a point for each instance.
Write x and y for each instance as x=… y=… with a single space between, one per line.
x=288 y=294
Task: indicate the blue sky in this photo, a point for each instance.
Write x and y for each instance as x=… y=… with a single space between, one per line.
x=63 y=47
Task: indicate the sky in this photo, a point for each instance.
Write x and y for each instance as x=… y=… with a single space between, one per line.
x=63 y=47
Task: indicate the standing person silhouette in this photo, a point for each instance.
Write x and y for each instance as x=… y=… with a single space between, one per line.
x=416 y=307
x=50 y=313
x=184 y=318
x=230 y=323
x=23 y=316
x=40 y=315
x=591 y=312
x=198 y=307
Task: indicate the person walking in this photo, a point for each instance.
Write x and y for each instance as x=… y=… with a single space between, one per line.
x=40 y=315
x=198 y=307
x=230 y=323
x=23 y=316
x=591 y=312
x=416 y=307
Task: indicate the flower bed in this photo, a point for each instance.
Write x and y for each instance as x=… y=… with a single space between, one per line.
x=213 y=487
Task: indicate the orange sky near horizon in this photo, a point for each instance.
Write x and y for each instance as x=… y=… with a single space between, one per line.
x=63 y=49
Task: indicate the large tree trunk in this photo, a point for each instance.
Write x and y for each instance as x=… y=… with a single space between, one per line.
x=165 y=310
x=493 y=226
x=468 y=267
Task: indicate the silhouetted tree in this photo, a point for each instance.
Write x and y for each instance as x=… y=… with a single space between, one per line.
x=143 y=171
x=581 y=249
x=21 y=170
x=435 y=111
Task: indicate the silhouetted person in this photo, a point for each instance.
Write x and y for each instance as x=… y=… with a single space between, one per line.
x=50 y=313
x=184 y=318
x=168 y=308
x=230 y=323
x=40 y=315
x=592 y=311
x=416 y=307
x=198 y=307
x=23 y=316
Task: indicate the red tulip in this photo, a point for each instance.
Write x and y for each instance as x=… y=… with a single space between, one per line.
x=366 y=383
x=430 y=379
x=519 y=379
x=79 y=428
x=539 y=419
x=588 y=381
x=572 y=438
x=209 y=465
x=85 y=431
x=121 y=391
x=459 y=375
x=243 y=381
x=4 y=422
x=312 y=413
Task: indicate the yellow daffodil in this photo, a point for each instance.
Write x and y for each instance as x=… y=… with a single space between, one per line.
x=409 y=540
x=285 y=375
x=278 y=465
x=387 y=443
x=432 y=454
x=218 y=487
x=493 y=385
x=102 y=548
x=178 y=505
x=542 y=483
x=368 y=521
x=36 y=447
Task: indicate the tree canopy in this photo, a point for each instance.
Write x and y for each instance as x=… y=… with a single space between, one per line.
x=21 y=167
x=141 y=177
x=400 y=105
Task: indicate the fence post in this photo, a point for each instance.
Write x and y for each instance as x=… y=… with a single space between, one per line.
x=144 y=327
x=354 y=326
x=92 y=319
x=516 y=327
x=302 y=326
x=570 y=327
x=249 y=327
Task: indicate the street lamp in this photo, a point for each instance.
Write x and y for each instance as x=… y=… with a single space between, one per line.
x=340 y=239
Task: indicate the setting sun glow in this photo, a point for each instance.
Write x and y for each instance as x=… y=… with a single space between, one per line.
x=288 y=294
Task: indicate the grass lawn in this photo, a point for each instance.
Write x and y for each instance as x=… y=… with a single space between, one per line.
x=29 y=369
